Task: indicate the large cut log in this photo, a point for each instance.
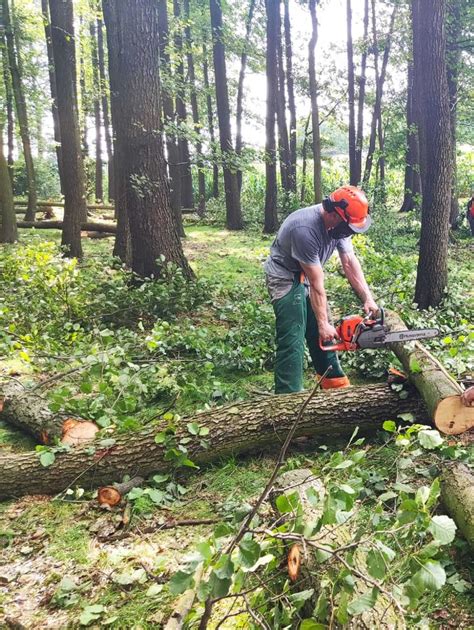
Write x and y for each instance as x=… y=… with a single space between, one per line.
x=24 y=409
x=457 y=493
x=239 y=428
x=58 y=225
x=440 y=392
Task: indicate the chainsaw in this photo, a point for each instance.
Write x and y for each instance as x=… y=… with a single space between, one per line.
x=358 y=333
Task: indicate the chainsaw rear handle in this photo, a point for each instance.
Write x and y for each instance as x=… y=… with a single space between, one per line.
x=334 y=345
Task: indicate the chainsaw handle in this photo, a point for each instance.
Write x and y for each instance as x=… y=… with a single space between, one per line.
x=333 y=345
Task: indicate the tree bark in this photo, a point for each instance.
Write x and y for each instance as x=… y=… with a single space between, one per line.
x=210 y=123
x=195 y=110
x=453 y=58
x=187 y=195
x=240 y=88
x=271 y=217
x=457 y=494
x=53 y=89
x=412 y=160
x=250 y=426
x=9 y=107
x=313 y=92
x=105 y=104
x=351 y=97
x=152 y=228
x=169 y=114
x=291 y=96
x=359 y=142
x=436 y=152
x=8 y=229
x=22 y=114
x=89 y=226
x=75 y=210
x=303 y=167
x=99 y=185
x=283 y=142
x=231 y=185
x=379 y=84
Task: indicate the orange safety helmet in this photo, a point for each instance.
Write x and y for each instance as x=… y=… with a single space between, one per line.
x=351 y=204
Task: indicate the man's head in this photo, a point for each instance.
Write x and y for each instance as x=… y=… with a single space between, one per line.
x=347 y=211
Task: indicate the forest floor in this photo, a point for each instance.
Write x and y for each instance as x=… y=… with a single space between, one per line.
x=65 y=562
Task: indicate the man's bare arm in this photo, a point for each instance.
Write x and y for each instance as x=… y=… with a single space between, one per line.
x=355 y=275
x=315 y=276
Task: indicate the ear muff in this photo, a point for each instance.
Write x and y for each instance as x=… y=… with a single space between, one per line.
x=330 y=206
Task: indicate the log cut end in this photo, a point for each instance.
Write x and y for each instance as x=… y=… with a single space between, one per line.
x=77 y=432
x=294 y=562
x=453 y=417
x=108 y=495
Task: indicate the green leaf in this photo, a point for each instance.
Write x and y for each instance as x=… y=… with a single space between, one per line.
x=390 y=426
x=205 y=550
x=160 y=478
x=130 y=577
x=160 y=438
x=219 y=587
x=443 y=529
x=345 y=464
x=193 y=428
x=430 y=439
x=363 y=603
x=180 y=582
x=47 y=458
x=203 y=431
x=135 y=493
x=310 y=624
x=388 y=552
x=155 y=495
x=224 y=567
x=287 y=503
x=341 y=614
x=376 y=564
x=407 y=417
x=249 y=552
x=300 y=598
x=153 y=590
x=90 y=614
x=430 y=577
x=386 y=496
x=415 y=367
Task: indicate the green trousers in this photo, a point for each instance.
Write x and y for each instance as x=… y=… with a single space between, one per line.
x=295 y=321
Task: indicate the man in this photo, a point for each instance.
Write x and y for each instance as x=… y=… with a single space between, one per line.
x=305 y=241
x=470 y=214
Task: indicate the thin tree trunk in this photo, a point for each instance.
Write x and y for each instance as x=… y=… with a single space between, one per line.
x=291 y=96
x=169 y=114
x=313 y=91
x=379 y=84
x=52 y=87
x=195 y=111
x=210 y=123
x=436 y=161
x=283 y=142
x=251 y=426
x=8 y=229
x=105 y=104
x=240 y=88
x=271 y=217
x=303 y=168
x=9 y=107
x=187 y=195
x=412 y=160
x=82 y=100
x=75 y=210
x=232 y=193
x=351 y=95
x=361 y=100
x=22 y=115
x=99 y=187
x=453 y=57
x=139 y=131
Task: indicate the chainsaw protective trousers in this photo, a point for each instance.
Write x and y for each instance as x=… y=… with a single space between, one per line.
x=295 y=321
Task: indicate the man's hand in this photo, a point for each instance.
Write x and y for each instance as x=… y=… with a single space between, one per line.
x=327 y=332
x=370 y=306
x=467 y=397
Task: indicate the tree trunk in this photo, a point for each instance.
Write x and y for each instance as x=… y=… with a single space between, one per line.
x=75 y=210
x=89 y=226
x=436 y=153
x=195 y=111
x=304 y=150
x=291 y=96
x=83 y=106
x=453 y=58
x=210 y=123
x=105 y=104
x=359 y=142
x=457 y=494
x=53 y=89
x=313 y=92
x=22 y=115
x=240 y=89
x=8 y=230
x=351 y=95
x=99 y=187
x=412 y=160
x=283 y=143
x=379 y=84
x=169 y=114
x=271 y=217
x=231 y=185
x=250 y=426
x=9 y=107
x=187 y=196
x=143 y=169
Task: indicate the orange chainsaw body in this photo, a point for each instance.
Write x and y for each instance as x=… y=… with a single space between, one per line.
x=346 y=333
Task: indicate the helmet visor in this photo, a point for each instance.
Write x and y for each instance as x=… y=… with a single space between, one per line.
x=361 y=226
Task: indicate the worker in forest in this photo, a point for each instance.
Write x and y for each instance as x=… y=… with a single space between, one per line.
x=470 y=214
x=295 y=282
x=467 y=397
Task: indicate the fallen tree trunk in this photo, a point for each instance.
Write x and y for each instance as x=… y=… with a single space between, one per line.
x=60 y=204
x=457 y=493
x=435 y=385
x=26 y=410
x=58 y=225
x=234 y=429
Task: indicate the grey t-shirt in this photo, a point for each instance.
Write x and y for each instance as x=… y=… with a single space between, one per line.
x=302 y=237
